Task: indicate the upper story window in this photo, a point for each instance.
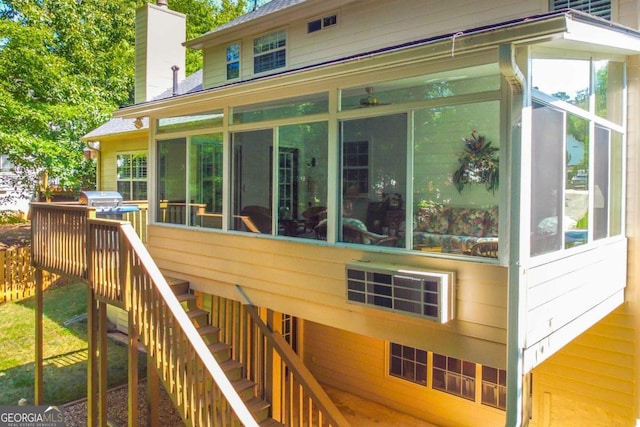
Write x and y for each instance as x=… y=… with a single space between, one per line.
x=577 y=152
x=5 y=164
x=132 y=175
x=233 y=61
x=269 y=52
x=601 y=8
x=322 y=23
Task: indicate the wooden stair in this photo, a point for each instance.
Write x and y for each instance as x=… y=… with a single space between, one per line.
x=259 y=408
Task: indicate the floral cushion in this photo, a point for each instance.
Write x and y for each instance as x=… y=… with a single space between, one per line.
x=491 y=227
x=467 y=221
x=432 y=220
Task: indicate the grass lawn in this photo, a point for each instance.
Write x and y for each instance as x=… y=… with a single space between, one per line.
x=65 y=349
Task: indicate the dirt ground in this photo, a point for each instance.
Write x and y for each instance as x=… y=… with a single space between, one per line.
x=15 y=235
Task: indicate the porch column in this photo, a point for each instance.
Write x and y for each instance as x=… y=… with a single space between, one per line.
x=39 y=377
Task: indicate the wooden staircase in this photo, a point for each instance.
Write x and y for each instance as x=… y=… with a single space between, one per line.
x=234 y=370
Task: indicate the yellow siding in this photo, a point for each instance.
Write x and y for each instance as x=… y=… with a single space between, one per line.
x=358 y=364
x=306 y=280
x=110 y=148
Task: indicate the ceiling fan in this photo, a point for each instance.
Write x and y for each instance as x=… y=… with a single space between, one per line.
x=370 y=100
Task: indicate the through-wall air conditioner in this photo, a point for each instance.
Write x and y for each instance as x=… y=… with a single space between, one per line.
x=408 y=290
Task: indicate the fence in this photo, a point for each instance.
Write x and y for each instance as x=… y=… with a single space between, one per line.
x=16 y=275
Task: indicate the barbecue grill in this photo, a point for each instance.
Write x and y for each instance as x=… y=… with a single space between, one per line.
x=108 y=204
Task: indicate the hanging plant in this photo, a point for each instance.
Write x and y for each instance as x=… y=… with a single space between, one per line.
x=478 y=164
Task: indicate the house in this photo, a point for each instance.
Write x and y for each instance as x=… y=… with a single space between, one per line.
x=432 y=204
x=11 y=199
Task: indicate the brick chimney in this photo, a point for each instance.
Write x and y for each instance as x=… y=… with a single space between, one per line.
x=160 y=33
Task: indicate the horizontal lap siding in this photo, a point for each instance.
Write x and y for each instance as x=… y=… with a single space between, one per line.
x=561 y=291
x=307 y=280
x=109 y=149
x=358 y=364
x=367 y=26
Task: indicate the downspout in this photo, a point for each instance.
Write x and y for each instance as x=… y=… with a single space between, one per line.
x=94 y=148
x=517 y=389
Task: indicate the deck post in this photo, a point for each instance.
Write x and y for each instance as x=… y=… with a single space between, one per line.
x=133 y=371
x=39 y=376
x=153 y=392
x=102 y=362
x=92 y=362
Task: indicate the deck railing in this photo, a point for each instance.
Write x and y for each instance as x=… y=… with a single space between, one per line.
x=297 y=399
x=109 y=255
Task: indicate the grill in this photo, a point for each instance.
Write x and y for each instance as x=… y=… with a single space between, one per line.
x=108 y=204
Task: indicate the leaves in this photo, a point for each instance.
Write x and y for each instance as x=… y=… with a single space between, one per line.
x=478 y=164
x=65 y=65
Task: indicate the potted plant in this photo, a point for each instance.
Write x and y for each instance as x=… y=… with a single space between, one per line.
x=478 y=164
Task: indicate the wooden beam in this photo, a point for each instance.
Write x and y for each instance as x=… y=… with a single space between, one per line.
x=133 y=371
x=102 y=362
x=39 y=376
x=92 y=364
x=153 y=392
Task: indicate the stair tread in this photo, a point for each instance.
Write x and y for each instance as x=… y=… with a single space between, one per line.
x=256 y=404
x=270 y=422
x=186 y=297
x=207 y=330
x=230 y=364
x=242 y=384
x=196 y=312
x=217 y=347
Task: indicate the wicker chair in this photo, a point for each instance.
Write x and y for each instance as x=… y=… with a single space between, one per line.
x=488 y=249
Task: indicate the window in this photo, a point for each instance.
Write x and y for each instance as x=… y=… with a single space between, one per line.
x=454 y=376
x=131 y=169
x=577 y=169
x=494 y=387
x=233 y=61
x=269 y=52
x=190 y=166
x=408 y=363
x=355 y=169
x=601 y=8
x=322 y=23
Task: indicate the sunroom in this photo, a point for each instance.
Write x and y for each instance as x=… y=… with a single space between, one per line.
x=461 y=155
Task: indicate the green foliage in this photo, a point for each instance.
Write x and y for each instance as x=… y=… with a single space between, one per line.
x=477 y=164
x=65 y=65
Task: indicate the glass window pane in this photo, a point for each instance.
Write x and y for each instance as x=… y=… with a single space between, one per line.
x=191 y=122
x=139 y=190
x=172 y=203
x=601 y=165
x=302 y=178
x=252 y=157
x=463 y=81
x=547 y=182
x=374 y=179
x=609 y=89
x=447 y=140
x=577 y=182
x=206 y=179
x=616 y=192
x=564 y=79
x=282 y=108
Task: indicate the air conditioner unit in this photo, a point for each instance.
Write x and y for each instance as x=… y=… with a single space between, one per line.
x=408 y=290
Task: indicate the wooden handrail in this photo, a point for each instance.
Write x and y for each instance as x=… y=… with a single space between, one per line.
x=300 y=372
x=110 y=257
x=159 y=319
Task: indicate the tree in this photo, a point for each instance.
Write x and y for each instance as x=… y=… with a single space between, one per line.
x=65 y=65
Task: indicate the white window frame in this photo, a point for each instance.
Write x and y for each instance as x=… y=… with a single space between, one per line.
x=132 y=178
x=271 y=43
x=233 y=61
